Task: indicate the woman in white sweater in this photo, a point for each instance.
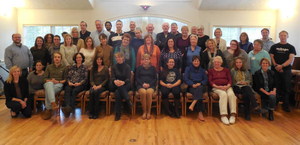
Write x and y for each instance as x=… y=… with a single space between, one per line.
x=68 y=50
x=221 y=43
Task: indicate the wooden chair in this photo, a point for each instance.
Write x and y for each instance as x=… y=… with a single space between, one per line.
x=214 y=98
x=189 y=99
x=39 y=95
x=240 y=100
x=102 y=98
x=137 y=98
x=79 y=98
x=171 y=99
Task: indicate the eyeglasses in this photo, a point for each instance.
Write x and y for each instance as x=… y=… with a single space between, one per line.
x=233 y=44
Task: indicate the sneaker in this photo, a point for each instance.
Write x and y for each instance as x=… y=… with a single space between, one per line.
x=232 y=119
x=224 y=119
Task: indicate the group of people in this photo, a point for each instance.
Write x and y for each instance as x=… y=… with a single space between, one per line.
x=119 y=62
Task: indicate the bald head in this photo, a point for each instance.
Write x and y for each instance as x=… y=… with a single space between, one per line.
x=150 y=28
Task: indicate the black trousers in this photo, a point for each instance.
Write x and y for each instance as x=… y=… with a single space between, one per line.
x=94 y=100
x=284 y=85
x=17 y=107
x=198 y=95
x=120 y=94
x=24 y=73
x=71 y=93
x=165 y=92
x=248 y=97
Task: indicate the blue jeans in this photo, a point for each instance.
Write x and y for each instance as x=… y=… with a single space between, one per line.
x=50 y=90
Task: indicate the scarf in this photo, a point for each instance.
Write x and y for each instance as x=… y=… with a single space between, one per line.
x=125 y=51
x=211 y=64
x=146 y=50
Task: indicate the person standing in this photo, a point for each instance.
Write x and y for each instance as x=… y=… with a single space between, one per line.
x=268 y=42
x=84 y=33
x=95 y=34
x=132 y=29
x=162 y=37
x=18 y=54
x=282 y=54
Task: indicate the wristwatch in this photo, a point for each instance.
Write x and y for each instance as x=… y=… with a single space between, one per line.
x=282 y=65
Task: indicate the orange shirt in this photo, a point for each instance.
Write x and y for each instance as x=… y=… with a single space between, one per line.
x=154 y=58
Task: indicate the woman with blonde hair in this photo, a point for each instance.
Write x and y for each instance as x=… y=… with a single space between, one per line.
x=221 y=43
x=202 y=38
x=68 y=49
x=16 y=91
x=78 y=42
x=146 y=80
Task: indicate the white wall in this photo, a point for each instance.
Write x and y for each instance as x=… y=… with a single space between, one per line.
x=186 y=12
x=8 y=26
x=291 y=25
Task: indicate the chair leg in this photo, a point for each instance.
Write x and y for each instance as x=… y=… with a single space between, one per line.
x=34 y=105
x=237 y=107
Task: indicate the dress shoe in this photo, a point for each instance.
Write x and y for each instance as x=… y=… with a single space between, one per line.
x=54 y=106
x=15 y=116
x=247 y=117
x=129 y=104
x=96 y=116
x=118 y=116
x=286 y=109
x=47 y=114
x=67 y=111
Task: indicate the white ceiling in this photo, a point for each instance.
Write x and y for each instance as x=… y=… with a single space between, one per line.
x=202 y=4
x=58 y=4
x=234 y=5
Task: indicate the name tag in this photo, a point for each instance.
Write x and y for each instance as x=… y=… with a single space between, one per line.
x=252 y=58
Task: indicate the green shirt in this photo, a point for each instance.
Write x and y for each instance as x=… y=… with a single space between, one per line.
x=58 y=73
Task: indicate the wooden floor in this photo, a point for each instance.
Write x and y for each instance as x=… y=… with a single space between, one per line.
x=161 y=130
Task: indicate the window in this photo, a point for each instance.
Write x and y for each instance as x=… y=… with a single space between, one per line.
x=31 y=32
x=143 y=21
x=230 y=33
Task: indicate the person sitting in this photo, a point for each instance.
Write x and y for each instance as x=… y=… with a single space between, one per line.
x=146 y=79
x=235 y=51
x=120 y=82
x=127 y=50
x=35 y=80
x=196 y=78
x=55 y=76
x=16 y=93
x=208 y=55
x=99 y=77
x=220 y=81
x=76 y=82
x=170 y=80
x=241 y=79
x=265 y=85
x=152 y=50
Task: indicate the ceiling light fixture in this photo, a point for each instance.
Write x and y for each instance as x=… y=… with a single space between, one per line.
x=145 y=7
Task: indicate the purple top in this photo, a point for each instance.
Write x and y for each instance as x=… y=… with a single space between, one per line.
x=183 y=44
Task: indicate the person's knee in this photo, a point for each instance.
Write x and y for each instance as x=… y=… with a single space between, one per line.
x=27 y=114
x=47 y=84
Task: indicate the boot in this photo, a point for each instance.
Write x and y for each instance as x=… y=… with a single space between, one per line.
x=166 y=105
x=271 y=118
x=177 y=102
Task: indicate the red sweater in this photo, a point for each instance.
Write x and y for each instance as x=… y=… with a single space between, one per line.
x=220 y=78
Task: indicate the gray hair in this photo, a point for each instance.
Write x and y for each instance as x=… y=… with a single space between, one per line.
x=192 y=35
x=174 y=24
x=138 y=29
x=218 y=57
x=99 y=21
x=201 y=27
